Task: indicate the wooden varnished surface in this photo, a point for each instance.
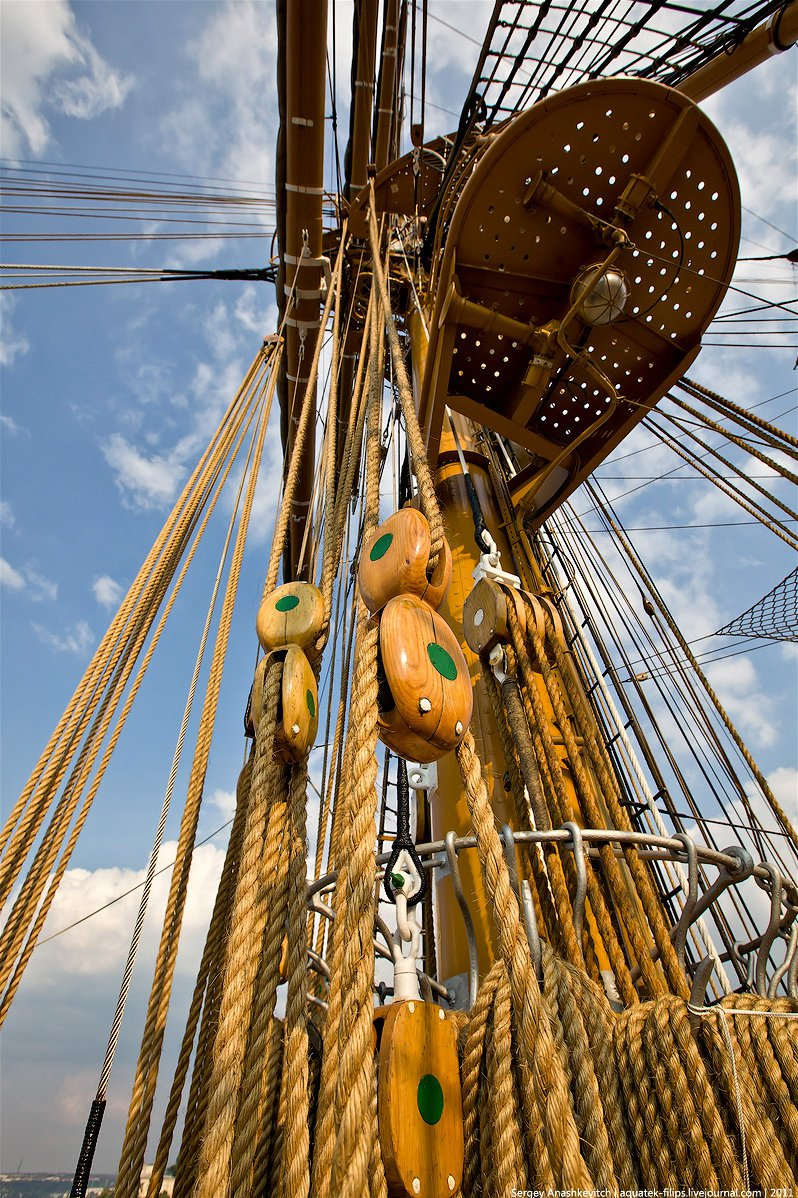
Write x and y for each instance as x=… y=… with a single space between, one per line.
x=419 y=1102
x=426 y=672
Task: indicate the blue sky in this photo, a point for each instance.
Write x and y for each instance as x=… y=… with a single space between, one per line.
x=108 y=396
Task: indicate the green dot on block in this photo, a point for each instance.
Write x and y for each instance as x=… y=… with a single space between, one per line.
x=311 y=704
x=381 y=546
x=430 y=1098
x=442 y=662
x=287 y=603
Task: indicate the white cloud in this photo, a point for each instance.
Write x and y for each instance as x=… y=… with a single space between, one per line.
x=224 y=123
x=29 y=579
x=106 y=591
x=9 y=577
x=6 y=515
x=77 y=640
x=225 y=803
x=48 y=63
x=10 y=425
x=737 y=684
x=145 y=481
x=13 y=344
x=99 y=945
x=784 y=784
x=39 y=586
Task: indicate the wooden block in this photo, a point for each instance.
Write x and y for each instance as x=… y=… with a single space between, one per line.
x=300 y=706
x=292 y=615
x=258 y=683
x=394 y=732
x=419 y=1103
x=426 y=676
x=440 y=578
x=394 y=562
x=485 y=617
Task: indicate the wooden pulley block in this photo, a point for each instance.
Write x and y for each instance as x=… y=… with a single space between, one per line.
x=394 y=562
x=257 y=695
x=425 y=700
x=298 y=708
x=299 y=717
x=419 y=1103
x=485 y=619
x=292 y=615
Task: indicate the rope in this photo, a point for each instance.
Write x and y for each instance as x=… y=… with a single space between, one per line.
x=205 y=1001
x=264 y=828
x=426 y=485
x=560 y=800
x=162 y=558
x=774 y=436
x=307 y=412
x=296 y=1139
x=39 y=876
x=342 y=1150
x=561 y=924
x=136 y=1132
x=545 y=1096
x=784 y=820
x=698 y=929
x=608 y=786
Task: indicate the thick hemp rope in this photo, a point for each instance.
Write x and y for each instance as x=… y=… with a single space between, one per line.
x=344 y=1128
x=137 y=1129
x=306 y=414
x=204 y=1003
x=545 y=1093
x=56 y=755
x=426 y=484
x=562 y=810
x=258 y=877
x=610 y=793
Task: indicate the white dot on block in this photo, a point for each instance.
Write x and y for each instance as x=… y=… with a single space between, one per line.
x=416 y=1185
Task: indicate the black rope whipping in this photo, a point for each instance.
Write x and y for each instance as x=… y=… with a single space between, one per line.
x=404 y=841
x=90 y=1137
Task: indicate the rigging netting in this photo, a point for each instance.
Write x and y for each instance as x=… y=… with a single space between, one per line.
x=775 y=615
x=533 y=49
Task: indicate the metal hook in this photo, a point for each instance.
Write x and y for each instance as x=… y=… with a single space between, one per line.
x=726 y=878
x=790 y=957
x=578 y=845
x=698 y=990
x=471 y=940
x=508 y=842
x=532 y=933
x=766 y=943
x=743 y=955
x=524 y=897
x=680 y=929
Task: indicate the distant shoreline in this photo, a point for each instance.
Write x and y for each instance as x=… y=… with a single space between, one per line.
x=50 y=1185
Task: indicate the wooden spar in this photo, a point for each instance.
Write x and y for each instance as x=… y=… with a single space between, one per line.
x=301 y=154
x=775 y=36
x=361 y=104
x=386 y=113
